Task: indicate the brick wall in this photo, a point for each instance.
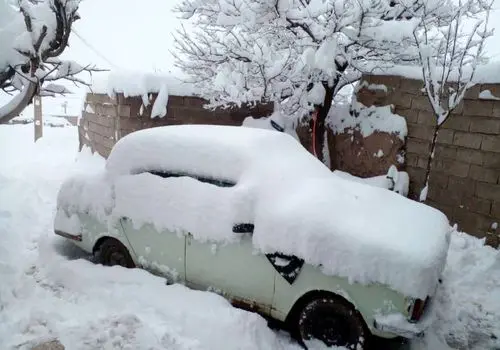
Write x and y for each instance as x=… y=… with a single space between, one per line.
x=349 y=151
x=465 y=176
x=105 y=120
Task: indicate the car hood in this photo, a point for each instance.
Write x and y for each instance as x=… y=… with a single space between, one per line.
x=364 y=233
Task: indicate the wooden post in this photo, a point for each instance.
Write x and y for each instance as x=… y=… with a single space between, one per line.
x=37 y=105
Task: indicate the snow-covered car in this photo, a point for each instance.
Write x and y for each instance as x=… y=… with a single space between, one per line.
x=250 y=214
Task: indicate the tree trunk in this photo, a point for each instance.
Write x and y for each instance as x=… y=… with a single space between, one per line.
x=319 y=127
x=429 y=162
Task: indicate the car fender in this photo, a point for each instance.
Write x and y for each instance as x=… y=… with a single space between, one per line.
x=95 y=232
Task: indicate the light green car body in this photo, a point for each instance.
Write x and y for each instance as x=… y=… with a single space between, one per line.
x=244 y=276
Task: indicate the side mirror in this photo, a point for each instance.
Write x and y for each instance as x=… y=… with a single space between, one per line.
x=243 y=228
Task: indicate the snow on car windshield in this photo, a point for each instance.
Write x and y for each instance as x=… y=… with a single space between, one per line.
x=297 y=205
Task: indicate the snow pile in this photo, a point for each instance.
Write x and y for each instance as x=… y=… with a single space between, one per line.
x=366 y=120
x=48 y=291
x=47 y=121
x=325 y=220
x=467 y=304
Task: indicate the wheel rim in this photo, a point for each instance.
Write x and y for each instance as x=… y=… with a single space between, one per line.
x=331 y=329
x=113 y=257
x=117 y=258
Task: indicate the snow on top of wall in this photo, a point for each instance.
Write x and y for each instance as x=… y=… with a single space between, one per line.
x=366 y=120
x=487 y=95
x=326 y=220
x=485 y=74
x=137 y=83
x=134 y=83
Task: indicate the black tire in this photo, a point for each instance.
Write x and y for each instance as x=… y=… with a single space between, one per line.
x=112 y=252
x=333 y=322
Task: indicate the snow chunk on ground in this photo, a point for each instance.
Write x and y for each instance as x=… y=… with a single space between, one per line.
x=47 y=121
x=326 y=220
x=423 y=193
x=467 y=304
x=367 y=120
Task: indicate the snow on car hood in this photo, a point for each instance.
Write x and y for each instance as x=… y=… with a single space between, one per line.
x=364 y=233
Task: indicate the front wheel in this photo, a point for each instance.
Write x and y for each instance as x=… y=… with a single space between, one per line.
x=112 y=252
x=333 y=323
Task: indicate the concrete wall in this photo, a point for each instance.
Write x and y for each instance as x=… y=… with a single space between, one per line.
x=105 y=120
x=465 y=177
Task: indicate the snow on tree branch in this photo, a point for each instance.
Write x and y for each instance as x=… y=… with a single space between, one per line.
x=449 y=56
x=33 y=34
x=298 y=53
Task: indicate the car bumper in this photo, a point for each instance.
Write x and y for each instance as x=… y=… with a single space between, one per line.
x=398 y=325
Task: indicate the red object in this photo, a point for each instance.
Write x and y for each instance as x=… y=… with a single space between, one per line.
x=418 y=309
x=314 y=118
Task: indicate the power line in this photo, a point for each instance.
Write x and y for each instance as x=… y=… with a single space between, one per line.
x=93 y=48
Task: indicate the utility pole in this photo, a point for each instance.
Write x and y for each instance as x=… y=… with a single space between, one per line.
x=37 y=105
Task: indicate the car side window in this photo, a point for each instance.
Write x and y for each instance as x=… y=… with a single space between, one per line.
x=212 y=181
x=288 y=266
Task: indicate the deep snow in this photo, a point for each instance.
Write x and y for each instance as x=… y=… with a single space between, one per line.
x=46 y=292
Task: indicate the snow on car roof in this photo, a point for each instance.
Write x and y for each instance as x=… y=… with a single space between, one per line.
x=207 y=150
x=298 y=207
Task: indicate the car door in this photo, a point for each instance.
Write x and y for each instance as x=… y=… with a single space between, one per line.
x=235 y=270
x=232 y=268
x=161 y=252
x=157 y=249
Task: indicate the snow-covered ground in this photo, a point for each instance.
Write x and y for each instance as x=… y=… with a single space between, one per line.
x=47 y=291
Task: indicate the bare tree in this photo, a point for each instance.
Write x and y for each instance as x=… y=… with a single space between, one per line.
x=449 y=57
x=33 y=34
x=296 y=52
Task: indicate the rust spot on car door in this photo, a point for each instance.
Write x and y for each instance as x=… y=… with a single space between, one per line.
x=250 y=305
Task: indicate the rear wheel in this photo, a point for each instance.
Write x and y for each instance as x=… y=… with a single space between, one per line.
x=332 y=322
x=112 y=252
